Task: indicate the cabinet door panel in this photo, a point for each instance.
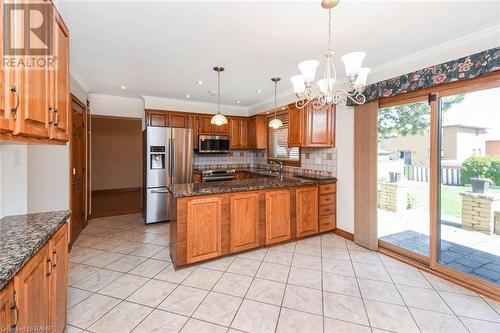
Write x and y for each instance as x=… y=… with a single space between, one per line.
x=222 y=129
x=5 y=75
x=62 y=102
x=203 y=228
x=319 y=123
x=177 y=120
x=157 y=118
x=205 y=126
x=260 y=132
x=6 y=319
x=307 y=211
x=296 y=127
x=32 y=285
x=327 y=222
x=277 y=216
x=59 y=283
x=244 y=222
x=244 y=133
x=235 y=132
x=193 y=124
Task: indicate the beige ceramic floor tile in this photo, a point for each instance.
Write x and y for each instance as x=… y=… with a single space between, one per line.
x=183 y=300
x=244 y=266
x=161 y=321
x=340 y=284
x=77 y=272
x=218 y=309
x=412 y=278
x=371 y=271
x=79 y=254
x=433 y=322
x=334 y=326
x=305 y=277
x=254 y=255
x=380 y=291
x=147 y=250
x=175 y=276
x=124 y=286
x=291 y=321
x=87 y=312
x=470 y=306
x=443 y=285
x=278 y=257
x=364 y=257
x=256 y=317
x=104 y=259
x=152 y=293
x=266 y=291
x=422 y=298
x=97 y=280
x=198 y=326
x=126 y=263
x=219 y=264
x=337 y=266
x=203 y=278
x=150 y=268
x=163 y=255
x=346 y=308
x=390 y=317
x=123 y=318
x=480 y=326
x=306 y=261
x=274 y=272
x=75 y=296
x=303 y=299
x=233 y=284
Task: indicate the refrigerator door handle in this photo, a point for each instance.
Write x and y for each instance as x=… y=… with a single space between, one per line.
x=160 y=191
x=172 y=159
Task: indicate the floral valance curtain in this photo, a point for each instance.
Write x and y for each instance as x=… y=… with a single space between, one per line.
x=460 y=69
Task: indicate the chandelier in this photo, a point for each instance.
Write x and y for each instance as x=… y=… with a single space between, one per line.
x=218 y=119
x=327 y=94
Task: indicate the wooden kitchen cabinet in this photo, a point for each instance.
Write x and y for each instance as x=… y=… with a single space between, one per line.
x=156 y=118
x=277 y=216
x=7 y=315
x=178 y=119
x=306 y=201
x=327 y=207
x=192 y=123
x=32 y=292
x=59 y=120
x=257 y=132
x=239 y=132
x=310 y=127
x=205 y=126
x=58 y=251
x=203 y=228
x=34 y=103
x=244 y=225
x=37 y=297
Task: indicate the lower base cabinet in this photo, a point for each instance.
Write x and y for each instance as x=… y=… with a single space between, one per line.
x=36 y=299
x=214 y=225
x=203 y=228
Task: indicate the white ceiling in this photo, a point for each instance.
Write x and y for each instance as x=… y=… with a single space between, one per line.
x=161 y=48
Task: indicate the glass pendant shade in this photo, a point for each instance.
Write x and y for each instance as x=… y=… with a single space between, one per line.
x=362 y=77
x=218 y=119
x=308 y=69
x=298 y=84
x=275 y=123
x=352 y=62
x=325 y=85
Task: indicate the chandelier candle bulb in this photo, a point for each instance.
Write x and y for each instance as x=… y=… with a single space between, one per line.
x=352 y=62
x=308 y=70
x=298 y=84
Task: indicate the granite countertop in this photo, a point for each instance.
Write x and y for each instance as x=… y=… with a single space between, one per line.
x=21 y=236
x=195 y=189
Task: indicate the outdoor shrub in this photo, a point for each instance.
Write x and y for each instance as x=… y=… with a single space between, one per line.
x=482 y=166
x=410 y=201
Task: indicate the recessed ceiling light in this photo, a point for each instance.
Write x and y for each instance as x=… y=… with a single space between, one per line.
x=258 y=91
x=187 y=95
x=199 y=82
x=237 y=102
x=123 y=87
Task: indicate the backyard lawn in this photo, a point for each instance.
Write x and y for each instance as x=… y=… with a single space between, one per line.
x=451 y=201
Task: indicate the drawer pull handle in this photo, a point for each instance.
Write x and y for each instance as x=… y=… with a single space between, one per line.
x=49 y=262
x=16 y=95
x=56 y=116
x=55 y=258
x=15 y=309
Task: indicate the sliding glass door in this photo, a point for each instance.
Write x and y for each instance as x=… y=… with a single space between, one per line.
x=469 y=187
x=403 y=176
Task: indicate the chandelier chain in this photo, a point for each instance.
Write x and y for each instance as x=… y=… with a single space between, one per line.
x=329 y=29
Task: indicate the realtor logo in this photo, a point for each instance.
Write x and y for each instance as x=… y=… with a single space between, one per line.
x=27 y=35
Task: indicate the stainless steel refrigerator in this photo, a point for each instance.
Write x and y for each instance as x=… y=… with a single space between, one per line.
x=168 y=160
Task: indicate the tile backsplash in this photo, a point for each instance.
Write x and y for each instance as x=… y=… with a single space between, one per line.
x=315 y=159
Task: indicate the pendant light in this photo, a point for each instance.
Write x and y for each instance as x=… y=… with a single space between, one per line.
x=275 y=123
x=218 y=119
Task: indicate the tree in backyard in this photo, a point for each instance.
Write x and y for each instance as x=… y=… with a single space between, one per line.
x=410 y=119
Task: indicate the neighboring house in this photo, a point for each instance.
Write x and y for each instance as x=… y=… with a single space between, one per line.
x=493 y=148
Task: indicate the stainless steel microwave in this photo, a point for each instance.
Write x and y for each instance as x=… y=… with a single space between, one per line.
x=213 y=144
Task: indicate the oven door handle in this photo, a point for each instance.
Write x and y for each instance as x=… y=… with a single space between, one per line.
x=217 y=178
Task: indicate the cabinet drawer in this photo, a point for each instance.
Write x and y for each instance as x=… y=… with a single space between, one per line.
x=327 y=222
x=330 y=188
x=326 y=210
x=326 y=200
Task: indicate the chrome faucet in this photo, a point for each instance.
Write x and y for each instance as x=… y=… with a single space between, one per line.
x=281 y=171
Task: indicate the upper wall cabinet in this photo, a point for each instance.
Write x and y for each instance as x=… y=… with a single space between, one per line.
x=206 y=127
x=310 y=127
x=34 y=102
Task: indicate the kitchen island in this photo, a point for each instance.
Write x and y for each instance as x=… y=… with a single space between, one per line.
x=220 y=218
